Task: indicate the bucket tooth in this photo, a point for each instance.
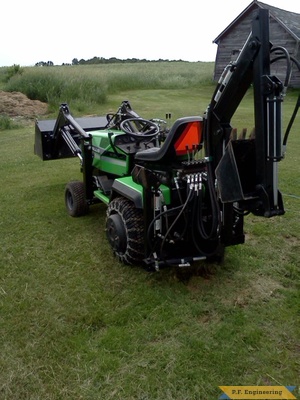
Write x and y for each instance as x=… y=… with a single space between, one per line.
x=243 y=134
x=233 y=134
x=252 y=134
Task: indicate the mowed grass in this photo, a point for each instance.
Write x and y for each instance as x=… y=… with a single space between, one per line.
x=75 y=324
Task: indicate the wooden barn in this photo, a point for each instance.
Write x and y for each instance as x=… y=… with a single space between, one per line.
x=284 y=31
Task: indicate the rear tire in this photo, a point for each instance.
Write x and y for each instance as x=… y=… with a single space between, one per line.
x=75 y=200
x=125 y=230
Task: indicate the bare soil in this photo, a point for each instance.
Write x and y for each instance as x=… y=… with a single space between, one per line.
x=16 y=104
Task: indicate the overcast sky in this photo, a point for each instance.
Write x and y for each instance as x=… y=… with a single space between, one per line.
x=60 y=30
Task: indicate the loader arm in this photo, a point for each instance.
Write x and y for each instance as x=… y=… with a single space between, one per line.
x=60 y=138
x=67 y=137
x=66 y=127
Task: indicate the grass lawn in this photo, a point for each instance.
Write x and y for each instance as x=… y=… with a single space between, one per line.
x=75 y=324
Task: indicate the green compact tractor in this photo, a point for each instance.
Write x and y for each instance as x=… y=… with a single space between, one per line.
x=177 y=195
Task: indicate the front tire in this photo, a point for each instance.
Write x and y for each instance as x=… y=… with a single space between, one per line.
x=75 y=200
x=125 y=230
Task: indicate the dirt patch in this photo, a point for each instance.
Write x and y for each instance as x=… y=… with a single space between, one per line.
x=259 y=290
x=16 y=104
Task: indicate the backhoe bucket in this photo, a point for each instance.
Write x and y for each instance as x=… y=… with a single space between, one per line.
x=236 y=171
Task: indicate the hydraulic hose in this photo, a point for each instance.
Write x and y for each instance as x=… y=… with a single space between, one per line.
x=199 y=230
x=216 y=218
x=188 y=199
x=296 y=62
x=291 y=122
x=293 y=59
x=199 y=221
x=288 y=61
x=161 y=214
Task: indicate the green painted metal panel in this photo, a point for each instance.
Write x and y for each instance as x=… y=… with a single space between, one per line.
x=128 y=181
x=101 y=196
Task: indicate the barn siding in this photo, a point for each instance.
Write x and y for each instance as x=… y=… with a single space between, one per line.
x=280 y=37
x=235 y=38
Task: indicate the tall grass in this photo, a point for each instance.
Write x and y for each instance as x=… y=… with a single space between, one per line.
x=80 y=86
x=52 y=87
x=7 y=123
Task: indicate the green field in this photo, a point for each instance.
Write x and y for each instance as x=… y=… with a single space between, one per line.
x=83 y=87
x=75 y=324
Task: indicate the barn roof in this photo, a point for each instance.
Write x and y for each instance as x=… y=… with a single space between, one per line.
x=289 y=20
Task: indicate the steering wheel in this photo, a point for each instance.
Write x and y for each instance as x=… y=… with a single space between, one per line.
x=139 y=128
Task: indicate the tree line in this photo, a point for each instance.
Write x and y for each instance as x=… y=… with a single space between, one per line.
x=101 y=60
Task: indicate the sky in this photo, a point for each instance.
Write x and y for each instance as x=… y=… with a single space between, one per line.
x=61 y=30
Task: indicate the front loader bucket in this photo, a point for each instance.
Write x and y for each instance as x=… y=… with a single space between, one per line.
x=50 y=144
x=44 y=142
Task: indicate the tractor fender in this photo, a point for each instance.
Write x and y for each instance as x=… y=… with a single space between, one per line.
x=130 y=190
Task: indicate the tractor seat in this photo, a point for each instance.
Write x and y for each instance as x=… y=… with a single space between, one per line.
x=185 y=136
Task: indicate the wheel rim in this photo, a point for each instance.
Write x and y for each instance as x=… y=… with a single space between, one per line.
x=69 y=200
x=116 y=233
